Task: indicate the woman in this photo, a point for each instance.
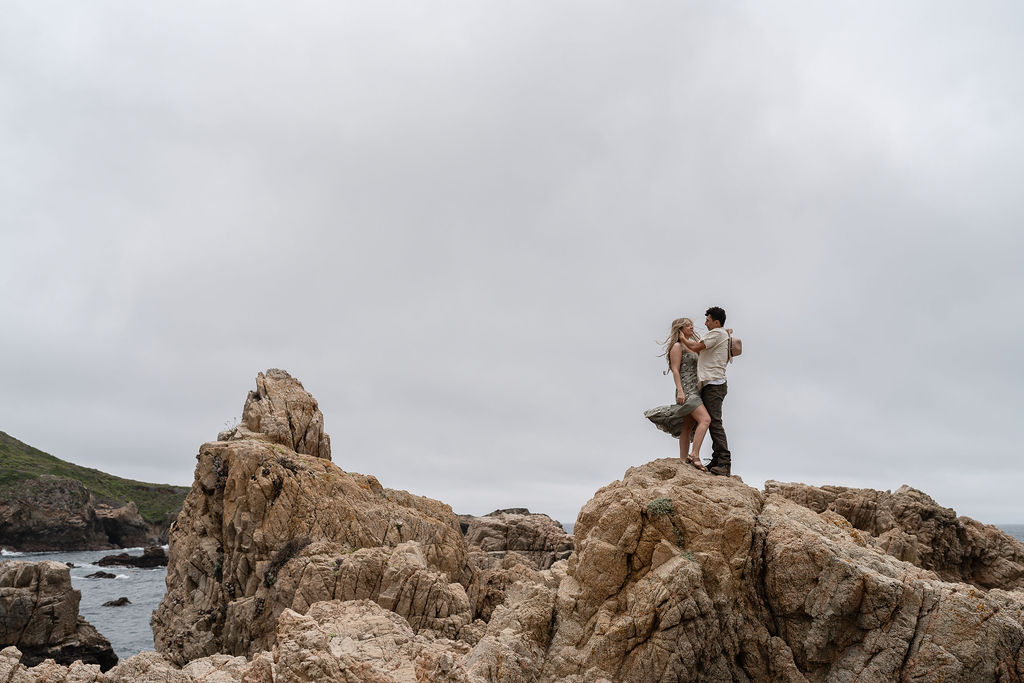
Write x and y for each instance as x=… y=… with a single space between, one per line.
x=688 y=417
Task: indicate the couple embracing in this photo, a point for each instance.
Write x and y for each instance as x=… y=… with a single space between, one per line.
x=698 y=366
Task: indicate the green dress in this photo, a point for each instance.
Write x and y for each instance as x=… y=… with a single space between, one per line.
x=669 y=418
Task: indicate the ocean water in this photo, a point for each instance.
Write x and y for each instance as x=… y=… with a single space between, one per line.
x=127 y=628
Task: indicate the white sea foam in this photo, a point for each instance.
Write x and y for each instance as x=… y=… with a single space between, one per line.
x=10 y=553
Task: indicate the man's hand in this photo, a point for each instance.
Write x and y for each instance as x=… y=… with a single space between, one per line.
x=696 y=347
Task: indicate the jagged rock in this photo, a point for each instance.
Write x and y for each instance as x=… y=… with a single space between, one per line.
x=514 y=647
x=534 y=536
x=39 y=611
x=494 y=574
x=265 y=529
x=360 y=642
x=281 y=411
x=910 y=526
x=678 y=575
x=153 y=556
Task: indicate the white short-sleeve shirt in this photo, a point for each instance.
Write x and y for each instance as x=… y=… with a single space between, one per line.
x=712 y=360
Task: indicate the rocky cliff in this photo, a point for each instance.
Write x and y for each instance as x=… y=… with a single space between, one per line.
x=49 y=504
x=55 y=513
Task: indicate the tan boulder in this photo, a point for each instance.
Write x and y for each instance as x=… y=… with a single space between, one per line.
x=535 y=536
x=679 y=575
x=657 y=588
x=494 y=574
x=359 y=641
x=513 y=648
x=48 y=671
x=399 y=579
x=841 y=606
x=281 y=411
x=39 y=616
x=910 y=526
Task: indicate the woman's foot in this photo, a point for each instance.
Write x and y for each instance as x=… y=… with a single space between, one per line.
x=694 y=460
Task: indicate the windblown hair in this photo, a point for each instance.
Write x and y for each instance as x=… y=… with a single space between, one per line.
x=675 y=332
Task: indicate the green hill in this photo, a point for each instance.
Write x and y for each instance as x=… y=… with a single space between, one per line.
x=19 y=461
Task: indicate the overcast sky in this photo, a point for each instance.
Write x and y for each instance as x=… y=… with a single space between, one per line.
x=464 y=225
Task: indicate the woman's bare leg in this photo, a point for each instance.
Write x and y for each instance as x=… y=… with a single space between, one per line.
x=684 y=436
x=703 y=420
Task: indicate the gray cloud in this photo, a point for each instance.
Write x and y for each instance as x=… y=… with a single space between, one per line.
x=463 y=226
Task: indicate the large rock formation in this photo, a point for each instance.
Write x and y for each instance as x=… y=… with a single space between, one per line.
x=57 y=513
x=39 y=616
x=910 y=526
x=681 y=576
x=284 y=567
x=535 y=536
x=676 y=575
x=281 y=411
x=266 y=528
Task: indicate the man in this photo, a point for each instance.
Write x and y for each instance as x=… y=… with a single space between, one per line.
x=713 y=356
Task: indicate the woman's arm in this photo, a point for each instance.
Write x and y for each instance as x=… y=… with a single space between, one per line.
x=675 y=357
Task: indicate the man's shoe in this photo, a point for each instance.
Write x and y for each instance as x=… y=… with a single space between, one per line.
x=720 y=471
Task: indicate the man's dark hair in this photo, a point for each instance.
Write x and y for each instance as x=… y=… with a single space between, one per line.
x=716 y=313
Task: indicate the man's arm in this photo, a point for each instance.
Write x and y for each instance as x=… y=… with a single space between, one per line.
x=696 y=347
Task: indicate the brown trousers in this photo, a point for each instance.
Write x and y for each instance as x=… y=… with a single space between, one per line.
x=713 y=396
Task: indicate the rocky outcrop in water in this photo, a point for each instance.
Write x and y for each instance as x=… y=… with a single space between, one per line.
x=151 y=557
x=57 y=513
x=39 y=616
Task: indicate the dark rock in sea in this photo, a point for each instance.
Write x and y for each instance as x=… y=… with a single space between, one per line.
x=153 y=556
x=71 y=565
x=40 y=617
x=120 y=602
x=101 y=575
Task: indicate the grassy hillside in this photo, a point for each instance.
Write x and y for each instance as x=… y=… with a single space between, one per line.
x=20 y=461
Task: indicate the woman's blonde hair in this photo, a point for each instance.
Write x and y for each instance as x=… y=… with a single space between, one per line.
x=675 y=331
